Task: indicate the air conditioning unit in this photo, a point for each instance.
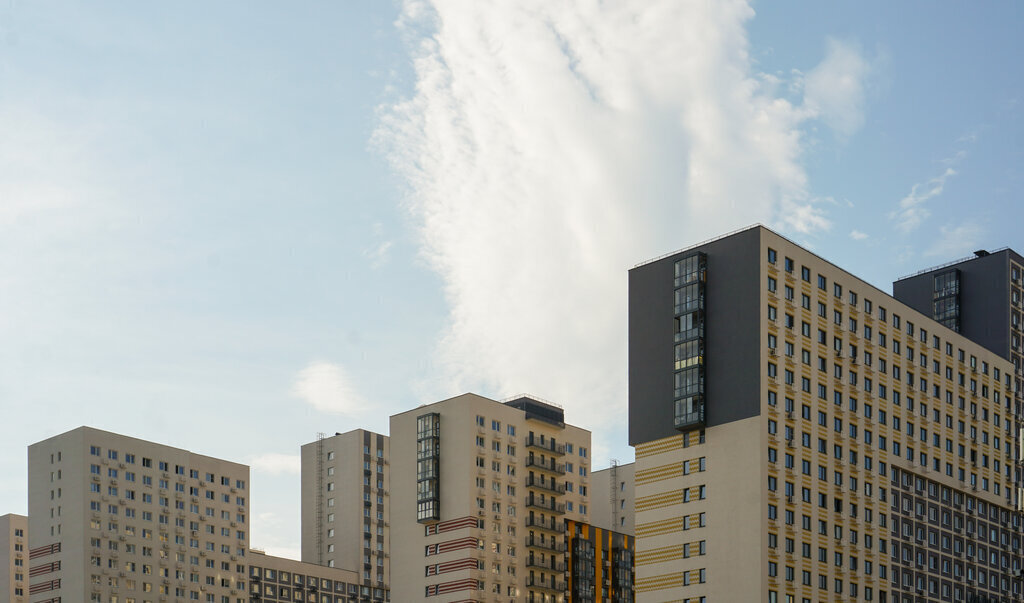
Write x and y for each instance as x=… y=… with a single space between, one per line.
x=772 y=352
x=789 y=415
x=789 y=499
x=1016 y=573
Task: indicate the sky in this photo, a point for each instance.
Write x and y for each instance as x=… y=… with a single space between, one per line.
x=230 y=226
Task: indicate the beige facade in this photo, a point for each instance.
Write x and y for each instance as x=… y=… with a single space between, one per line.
x=612 y=498
x=879 y=468
x=481 y=490
x=115 y=518
x=14 y=558
x=277 y=579
x=346 y=504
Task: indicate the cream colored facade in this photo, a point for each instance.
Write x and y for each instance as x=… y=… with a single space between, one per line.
x=885 y=444
x=612 y=498
x=346 y=504
x=14 y=558
x=277 y=579
x=117 y=518
x=507 y=478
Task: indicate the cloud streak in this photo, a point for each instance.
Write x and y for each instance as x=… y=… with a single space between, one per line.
x=328 y=388
x=912 y=209
x=551 y=145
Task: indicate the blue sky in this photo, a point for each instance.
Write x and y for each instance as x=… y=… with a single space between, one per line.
x=229 y=226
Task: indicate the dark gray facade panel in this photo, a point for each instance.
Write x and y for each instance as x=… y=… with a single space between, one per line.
x=732 y=351
x=984 y=298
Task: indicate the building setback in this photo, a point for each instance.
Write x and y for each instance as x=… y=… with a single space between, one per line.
x=346 y=504
x=803 y=436
x=481 y=490
x=14 y=558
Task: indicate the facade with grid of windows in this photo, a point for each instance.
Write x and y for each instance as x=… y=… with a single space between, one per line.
x=346 y=504
x=115 y=518
x=600 y=564
x=14 y=558
x=279 y=580
x=828 y=439
x=481 y=491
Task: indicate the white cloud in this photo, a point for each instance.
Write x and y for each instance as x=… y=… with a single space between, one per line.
x=956 y=240
x=551 y=145
x=834 y=90
x=328 y=388
x=276 y=464
x=912 y=209
x=379 y=254
x=857 y=235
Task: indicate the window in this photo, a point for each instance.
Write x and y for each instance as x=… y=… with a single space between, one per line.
x=789 y=265
x=805 y=274
x=772 y=256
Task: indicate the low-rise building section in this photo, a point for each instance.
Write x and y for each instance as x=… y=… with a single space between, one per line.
x=280 y=580
x=14 y=558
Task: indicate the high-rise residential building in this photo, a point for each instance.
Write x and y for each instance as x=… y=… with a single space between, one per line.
x=803 y=436
x=280 y=580
x=612 y=497
x=14 y=558
x=480 y=493
x=115 y=518
x=346 y=506
x=600 y=564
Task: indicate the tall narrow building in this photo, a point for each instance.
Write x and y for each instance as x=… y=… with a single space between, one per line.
x=481 y=491
x=346 y=504
x=115 y=518
x=14 y=558
x=612 y=497
x=798 y=424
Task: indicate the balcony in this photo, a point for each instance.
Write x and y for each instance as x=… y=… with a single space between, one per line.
x=546 y=444
x=549 y=544
x=538 y=584
x=545 y=464
x=553 y=525
x=552 y=565
x=550 y=505
x=550 y=485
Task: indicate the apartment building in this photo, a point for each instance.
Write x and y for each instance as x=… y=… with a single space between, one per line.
x=14 y=558
x=481 y=491
x=280 y=580
x=346 y=504
x=832 y=442
x=115 y=518
x=612 y=497
x=600 y=564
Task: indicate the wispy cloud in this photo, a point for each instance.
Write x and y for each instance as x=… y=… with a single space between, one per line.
x=276 y=463
x=379 y=255
x=834 y=90
x=328 y=388
x=551 y=145
x=912 y=210
x=857 y=235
